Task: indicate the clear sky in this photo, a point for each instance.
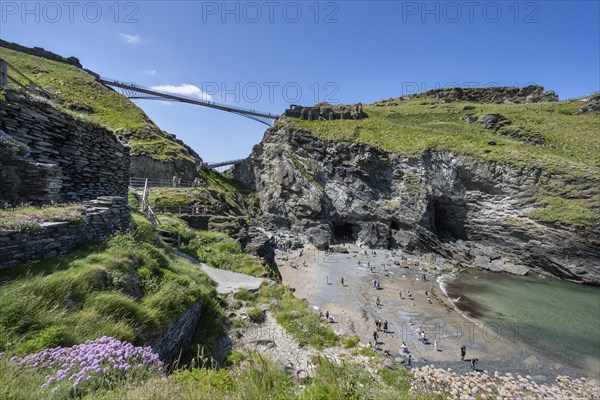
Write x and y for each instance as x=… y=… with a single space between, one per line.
x=264 y=55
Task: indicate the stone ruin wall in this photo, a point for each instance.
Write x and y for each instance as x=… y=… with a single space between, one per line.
x=101 y=218
x=68 y=160
x=75 y=160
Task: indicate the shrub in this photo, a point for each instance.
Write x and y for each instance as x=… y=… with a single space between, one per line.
x=351 y=342
x=234 y=357
x=256 y=315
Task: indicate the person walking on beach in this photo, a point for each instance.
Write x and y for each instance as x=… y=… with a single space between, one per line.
x=327 y=315
x=400 y=294
x=409 y=361
x=474 y=364
x=463 y=352
x=385 y=326
x=375 y=336
x=435 y=345
x=342 y=281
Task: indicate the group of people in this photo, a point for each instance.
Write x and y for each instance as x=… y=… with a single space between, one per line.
x=327 y=316
x=381 y=325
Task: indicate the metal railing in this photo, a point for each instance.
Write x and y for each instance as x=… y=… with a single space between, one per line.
x=142 y=182
x=183 y=210
x=146 y=207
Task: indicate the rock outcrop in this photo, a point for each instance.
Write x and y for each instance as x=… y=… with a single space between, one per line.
x=326 y=111
x=503 y=126
x=459 y=207
x=40 y=52
x=592 y=105
x=497 y=94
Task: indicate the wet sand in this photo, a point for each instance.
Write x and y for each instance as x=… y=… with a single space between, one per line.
x=354 y=309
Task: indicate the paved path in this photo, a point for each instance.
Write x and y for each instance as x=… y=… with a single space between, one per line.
x=227 y=281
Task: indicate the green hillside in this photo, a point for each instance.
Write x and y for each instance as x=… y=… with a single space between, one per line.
x=78 y=93
x=568 y=148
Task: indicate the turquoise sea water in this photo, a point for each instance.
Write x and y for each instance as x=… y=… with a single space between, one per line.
x=558 y=319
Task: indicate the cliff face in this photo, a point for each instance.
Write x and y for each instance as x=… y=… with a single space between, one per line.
x=462 y=208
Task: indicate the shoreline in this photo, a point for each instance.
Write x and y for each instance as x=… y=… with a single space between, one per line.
x=588 y=366
x=354 y=309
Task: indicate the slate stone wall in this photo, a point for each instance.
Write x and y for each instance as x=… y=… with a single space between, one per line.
x=178 y=335
x=100 y=218
x=88 y=160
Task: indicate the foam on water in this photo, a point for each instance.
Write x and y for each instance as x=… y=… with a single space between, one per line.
x=558 y=319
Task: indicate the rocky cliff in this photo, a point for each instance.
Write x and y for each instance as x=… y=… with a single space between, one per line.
x=460 y=207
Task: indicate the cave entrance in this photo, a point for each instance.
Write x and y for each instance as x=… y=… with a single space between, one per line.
x=450 y=218
x=394 y=225
x=344 y=232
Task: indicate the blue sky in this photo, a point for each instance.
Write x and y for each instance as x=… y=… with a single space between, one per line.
x=265 y=55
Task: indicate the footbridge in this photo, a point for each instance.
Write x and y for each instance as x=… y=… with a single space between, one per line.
x=213 y=165
x=133 y=91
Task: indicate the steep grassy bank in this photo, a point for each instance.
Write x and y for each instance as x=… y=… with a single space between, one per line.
x=128 y=287
x=76 y=92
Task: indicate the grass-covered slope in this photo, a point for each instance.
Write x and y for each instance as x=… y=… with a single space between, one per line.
x=77 y=92
x=220 y=194
x=570 y=153
x=412 y=127
x=129 y=288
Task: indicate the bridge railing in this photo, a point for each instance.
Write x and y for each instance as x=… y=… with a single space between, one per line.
x=184 y=210
x=133 y=90
x=140 y=182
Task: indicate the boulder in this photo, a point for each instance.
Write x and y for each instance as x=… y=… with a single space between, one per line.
x=319 y=236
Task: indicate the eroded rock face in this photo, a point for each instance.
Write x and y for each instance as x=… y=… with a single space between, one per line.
x=499 y=94
x=592 y=105
x=326 y=111
x=496 y=94
x=472 y=211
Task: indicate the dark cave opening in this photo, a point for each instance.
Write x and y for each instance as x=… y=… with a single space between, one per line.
x=449 y=218
x=394 y=225
x=344 y=232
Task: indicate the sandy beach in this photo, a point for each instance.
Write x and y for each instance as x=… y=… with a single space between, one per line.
x=317 y=277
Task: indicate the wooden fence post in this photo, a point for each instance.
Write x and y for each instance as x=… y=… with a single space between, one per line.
x=3 y=73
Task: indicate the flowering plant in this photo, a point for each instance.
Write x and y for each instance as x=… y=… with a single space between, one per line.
x=104 y=362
